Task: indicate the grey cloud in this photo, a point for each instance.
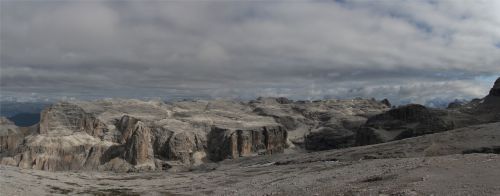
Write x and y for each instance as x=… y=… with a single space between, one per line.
x=408 y=51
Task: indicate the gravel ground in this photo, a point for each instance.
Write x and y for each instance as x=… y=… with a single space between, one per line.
x=470 y=174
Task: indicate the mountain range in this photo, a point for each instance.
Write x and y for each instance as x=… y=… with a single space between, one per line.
x=124 y=135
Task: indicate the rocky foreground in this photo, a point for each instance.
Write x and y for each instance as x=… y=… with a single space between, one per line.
x=266 y=146
x=471 y=174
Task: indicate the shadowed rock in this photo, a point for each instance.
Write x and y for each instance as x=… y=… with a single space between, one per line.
x=386 y=102
x=326 y=138
x=495 y=91
x=492 y=101
x=487 y=109
x=403 y=122
x=227 y=143
x=138 y=148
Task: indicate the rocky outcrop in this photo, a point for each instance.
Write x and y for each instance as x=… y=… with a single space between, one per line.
x=66 y=139
x=188 y=148
x=133 y=135
x=492 y=101
x=410 y=121
x=386 y=102
x=326 y=138
x=137 y=145
x=487 y=109
x=495 y=91
x=399 y=123
x=10 y=135
x=456 y=104
x=322 y=124
x=126 y=127
x=226 y=143
x=66 y=118
x=55 y=153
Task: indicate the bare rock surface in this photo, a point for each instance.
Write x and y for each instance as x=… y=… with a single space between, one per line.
x=441 y=164
x=148 y=135
x=477 y=138
x=403 y=122
x=132 y=135
x=489 y=108
x=224 y=147
x=10 y=135
x=486 y=109
x=414 y=120
x=328 y=119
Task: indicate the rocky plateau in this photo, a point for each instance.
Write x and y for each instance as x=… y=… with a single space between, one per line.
x=267 y=146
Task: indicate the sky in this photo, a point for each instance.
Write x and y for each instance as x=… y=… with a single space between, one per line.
x=408 y=51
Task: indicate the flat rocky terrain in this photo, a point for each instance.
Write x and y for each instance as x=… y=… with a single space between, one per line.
x=470 y=174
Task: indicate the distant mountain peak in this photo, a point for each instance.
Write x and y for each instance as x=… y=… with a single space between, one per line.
x=495 y=91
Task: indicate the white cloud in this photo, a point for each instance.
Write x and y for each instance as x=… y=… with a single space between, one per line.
x=406 y=50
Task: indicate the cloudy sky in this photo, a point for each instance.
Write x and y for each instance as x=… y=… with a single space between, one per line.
x=408 y=51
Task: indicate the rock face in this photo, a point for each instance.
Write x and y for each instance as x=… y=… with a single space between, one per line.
x=227 y=143
x=492 y=101
x=54 y=153
x=133 y=135
x=456 y=104
x=386 y=102
x=66 y=118
x=138 y=147
x=326 y=138
x=320 y=125
x=399 y=123
x=11 y=136
x=485 y=110
x=495 y=91
x=130 y=135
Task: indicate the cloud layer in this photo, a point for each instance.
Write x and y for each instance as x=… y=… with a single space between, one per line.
x=409 y=51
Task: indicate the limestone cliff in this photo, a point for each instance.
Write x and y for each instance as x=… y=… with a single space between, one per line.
x=66 y=118
x=226 y=143
x=11 y=136
x=133 y=135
